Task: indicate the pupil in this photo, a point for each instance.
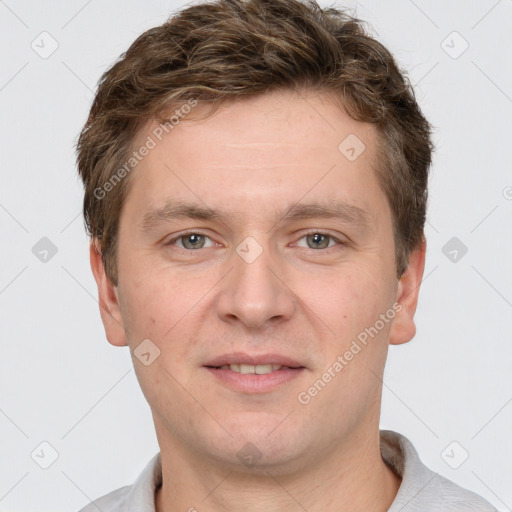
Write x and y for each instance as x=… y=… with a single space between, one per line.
x=318 y=240
x=193 y=241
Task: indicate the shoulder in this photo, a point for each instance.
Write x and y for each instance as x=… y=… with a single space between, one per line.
x=112 y=502
x=421 y=489
x=451 y=497
x=139 y=497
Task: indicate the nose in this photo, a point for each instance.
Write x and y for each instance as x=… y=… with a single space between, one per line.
x=254 y=293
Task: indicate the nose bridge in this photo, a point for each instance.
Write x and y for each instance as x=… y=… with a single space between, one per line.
x=253 y=294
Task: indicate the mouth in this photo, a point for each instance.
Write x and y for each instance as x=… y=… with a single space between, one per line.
x=258 y=369
x=254 y=374
x=259 y=364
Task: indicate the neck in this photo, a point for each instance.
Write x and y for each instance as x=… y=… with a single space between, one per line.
x=351 y=478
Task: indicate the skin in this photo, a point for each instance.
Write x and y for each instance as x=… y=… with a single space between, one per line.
x=252 y=160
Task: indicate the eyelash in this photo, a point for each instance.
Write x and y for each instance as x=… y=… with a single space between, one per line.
x=309 y=233
x=183 y=235
x=322 y=233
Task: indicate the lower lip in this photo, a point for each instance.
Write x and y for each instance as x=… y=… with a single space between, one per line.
x=254 y=383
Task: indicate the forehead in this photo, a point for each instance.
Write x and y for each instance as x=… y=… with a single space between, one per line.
x=277 y=124
x=278 y=147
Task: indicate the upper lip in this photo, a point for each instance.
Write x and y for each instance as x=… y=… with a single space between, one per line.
x=242 y=358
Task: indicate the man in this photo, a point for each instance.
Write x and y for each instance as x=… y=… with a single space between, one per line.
x=255 y=190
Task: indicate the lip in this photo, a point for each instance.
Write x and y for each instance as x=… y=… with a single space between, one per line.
x=254 y=383
x=242 y=358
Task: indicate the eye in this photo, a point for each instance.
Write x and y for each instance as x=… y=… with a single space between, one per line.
x=191 y=241
x=318 y=241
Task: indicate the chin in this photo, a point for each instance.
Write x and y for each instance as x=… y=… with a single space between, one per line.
x=257 y=450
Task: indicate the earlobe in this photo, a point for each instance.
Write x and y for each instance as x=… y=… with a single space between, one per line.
x=108 y=298
x=404 y=328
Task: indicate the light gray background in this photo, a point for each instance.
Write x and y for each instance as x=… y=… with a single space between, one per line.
x=61 y=382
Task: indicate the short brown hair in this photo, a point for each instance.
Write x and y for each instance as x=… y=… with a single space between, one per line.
x=229 y=49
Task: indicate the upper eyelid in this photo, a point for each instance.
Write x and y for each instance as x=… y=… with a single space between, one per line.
x=188 y=232
x=320 y=232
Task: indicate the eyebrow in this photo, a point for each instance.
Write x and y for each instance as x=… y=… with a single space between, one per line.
x=173 y=210
x=346 y=212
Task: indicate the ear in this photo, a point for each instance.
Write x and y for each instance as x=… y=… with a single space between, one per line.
x=403 y=328
x=108 y=300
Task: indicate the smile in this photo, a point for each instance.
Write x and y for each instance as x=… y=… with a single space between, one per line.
x=259 y=369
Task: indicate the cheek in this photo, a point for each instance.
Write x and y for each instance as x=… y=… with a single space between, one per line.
x=349 y=301
x=356 y=353
x=155 y=310
x=150 y=308
x=168 y=308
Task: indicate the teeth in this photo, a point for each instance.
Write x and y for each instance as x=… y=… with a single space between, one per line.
x=259 y=369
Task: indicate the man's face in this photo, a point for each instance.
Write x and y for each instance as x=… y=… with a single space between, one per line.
x=270 y=245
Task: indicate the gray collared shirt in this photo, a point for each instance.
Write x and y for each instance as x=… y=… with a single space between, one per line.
x=421 y=489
